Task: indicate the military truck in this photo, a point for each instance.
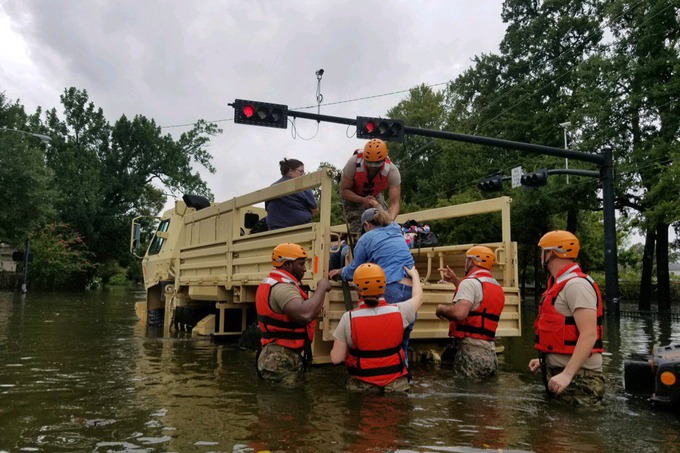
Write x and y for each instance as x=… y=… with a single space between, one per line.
x=203 y=266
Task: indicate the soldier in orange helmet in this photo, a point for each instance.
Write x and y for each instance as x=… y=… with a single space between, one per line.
x=477 y=305
x=364 y=178
x=569 y=330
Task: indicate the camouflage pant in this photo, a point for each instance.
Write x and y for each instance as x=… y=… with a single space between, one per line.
x=398 y=385
x=279 y=364
x=353 y=212
x=586 y=387
x=475 y=361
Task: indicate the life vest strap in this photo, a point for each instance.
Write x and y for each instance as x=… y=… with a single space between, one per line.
x=489 y=316
x=268 y=320
x=374 y=354
x=380 y=371
x=280 y=335
x=477 y=330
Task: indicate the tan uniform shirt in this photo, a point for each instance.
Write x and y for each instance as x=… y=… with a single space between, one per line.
x=577 y=293
x=281 y=294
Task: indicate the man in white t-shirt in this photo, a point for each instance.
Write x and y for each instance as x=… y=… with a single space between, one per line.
x=368 y=339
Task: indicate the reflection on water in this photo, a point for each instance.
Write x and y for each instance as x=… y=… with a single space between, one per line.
x=79 y=373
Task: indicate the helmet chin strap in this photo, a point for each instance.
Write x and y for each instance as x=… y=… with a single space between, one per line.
x=548 y=259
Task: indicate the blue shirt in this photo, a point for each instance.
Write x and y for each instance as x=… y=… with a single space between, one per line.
x=384 y=246
x=294 y=209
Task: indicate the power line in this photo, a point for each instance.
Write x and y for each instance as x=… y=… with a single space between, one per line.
x=325 y=105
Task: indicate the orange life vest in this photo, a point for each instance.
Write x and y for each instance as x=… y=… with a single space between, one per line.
x=376 y=355
x=278 y=327
x=374 y=186
x=556 y=333
x=482 y=322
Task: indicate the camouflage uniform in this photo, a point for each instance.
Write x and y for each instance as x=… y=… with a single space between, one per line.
x=398 y=385
x=280 y=364
x=475 y=361
x=586 y=387
x=353 y=211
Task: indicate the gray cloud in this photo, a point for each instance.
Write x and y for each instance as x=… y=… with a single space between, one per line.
x=180 y=61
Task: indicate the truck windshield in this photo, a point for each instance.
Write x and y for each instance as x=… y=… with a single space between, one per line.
x=157 y=243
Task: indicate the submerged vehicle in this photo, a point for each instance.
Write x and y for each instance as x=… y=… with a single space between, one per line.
x=203 y=265
x=658 y=376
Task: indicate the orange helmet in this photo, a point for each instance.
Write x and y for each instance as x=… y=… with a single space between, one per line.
x=562 y=243
x=375 y=150
x=482 y=256
x=369 y=280
x=287 y=252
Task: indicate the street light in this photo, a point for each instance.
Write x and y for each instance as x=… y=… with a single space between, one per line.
x=43 y=138
x=46 y=140
x=564 y=126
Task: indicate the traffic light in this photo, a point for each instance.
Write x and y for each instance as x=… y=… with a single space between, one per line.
x=384 y=129
x=536 y=178
x=492 y=184
x=260 y=113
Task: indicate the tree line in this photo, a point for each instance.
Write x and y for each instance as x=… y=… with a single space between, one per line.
x=74 y=198
x=609 y=68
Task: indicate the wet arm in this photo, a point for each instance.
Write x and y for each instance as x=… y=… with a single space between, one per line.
x=455 y=312
x=339 y=351
x=306 y=311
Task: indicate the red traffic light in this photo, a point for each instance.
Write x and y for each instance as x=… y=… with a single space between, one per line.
x=248 y=110
x=257 y=113
x=382 y=128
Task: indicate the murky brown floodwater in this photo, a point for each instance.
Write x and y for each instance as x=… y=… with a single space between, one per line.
x=79 y=373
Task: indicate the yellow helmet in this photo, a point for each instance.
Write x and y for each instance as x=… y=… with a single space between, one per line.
x=482 y=256
x=369 y=280
x=375 y=150
x=562 y=243
x=287 y=252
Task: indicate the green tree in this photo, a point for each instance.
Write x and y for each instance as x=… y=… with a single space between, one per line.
x=108 y=174
x=25 y=181
x=632 y=98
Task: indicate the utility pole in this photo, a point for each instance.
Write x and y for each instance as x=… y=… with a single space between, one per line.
x=564 y=126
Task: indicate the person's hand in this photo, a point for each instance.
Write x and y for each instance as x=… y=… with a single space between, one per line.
x=412 y=272
x=369 y=201
x=559 y=383
x=448 y=275
x=334 y=274
x=534 y=365
x=324 y=285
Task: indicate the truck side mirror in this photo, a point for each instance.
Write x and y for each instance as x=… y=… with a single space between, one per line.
x=136 y=237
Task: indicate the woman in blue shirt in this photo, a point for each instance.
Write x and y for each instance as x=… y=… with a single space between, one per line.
x=294 y=209
x=383 y=244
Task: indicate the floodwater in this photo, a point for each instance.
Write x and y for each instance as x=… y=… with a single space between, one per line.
x=78 y=373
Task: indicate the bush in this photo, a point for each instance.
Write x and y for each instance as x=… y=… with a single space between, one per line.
x=60 y=258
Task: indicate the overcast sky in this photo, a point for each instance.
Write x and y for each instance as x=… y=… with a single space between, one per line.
x=179 y=61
